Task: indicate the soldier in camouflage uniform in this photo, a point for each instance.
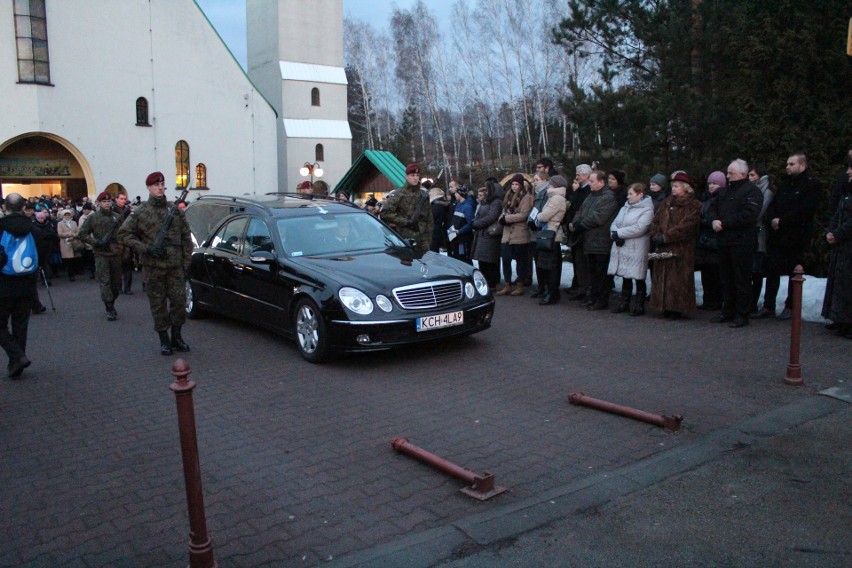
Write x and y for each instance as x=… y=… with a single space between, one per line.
x=165 y=265
x=100 y=231
x=400 y=207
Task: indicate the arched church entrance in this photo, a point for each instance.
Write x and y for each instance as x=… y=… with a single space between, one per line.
x=40 y=163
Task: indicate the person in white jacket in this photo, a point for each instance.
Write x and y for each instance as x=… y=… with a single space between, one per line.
x=631 y=242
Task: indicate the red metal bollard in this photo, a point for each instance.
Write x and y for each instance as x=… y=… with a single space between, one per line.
x=669 y=422
x=794 y=369
x=200 y=546
x=481 y=486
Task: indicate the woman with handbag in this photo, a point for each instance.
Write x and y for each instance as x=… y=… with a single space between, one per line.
x=549 y=239
x=517 y=204
x=487 y=232
x=674 y=231
x=630 y=245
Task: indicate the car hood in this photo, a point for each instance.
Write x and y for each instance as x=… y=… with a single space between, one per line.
x=375 y=272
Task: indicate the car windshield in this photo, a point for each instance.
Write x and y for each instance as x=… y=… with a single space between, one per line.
x=335 y=234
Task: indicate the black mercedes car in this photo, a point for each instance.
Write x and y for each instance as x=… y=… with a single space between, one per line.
x=328 y=274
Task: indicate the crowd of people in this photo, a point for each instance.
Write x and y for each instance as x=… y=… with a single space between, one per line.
x=741 y=231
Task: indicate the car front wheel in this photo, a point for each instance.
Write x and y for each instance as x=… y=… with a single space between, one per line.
x=310 y=333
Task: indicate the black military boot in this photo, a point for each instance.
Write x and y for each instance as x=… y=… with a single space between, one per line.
x=165 y=343
x=178 y=343
x=112 y=315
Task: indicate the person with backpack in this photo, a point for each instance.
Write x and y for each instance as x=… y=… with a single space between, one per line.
x=19 y=262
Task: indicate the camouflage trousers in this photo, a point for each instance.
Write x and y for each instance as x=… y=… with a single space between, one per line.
x=167 y=296
x=108 y=275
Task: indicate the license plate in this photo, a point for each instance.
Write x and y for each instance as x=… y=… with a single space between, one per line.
x=441 y=320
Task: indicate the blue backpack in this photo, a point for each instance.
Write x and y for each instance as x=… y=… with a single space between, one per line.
x=21 y=252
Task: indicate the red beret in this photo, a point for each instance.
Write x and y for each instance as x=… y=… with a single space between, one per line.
x=103 y=195
x=304 y=185
x=412 y=169
x=154 y=177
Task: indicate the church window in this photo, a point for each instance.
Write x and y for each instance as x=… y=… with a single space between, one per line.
x=142 y=112
x=181 y=164
x=31 y=40
x=315 y=98
x=320 y=153
x=200 y=176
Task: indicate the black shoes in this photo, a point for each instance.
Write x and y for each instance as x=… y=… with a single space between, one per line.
x=17 y=367
x=39 y=310
x=720 y=319
x=112 y=315
x=549 y=299
x=739 y=322
x=624 y=306
x=762 y=313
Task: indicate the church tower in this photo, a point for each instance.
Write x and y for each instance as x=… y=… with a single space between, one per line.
x=295 y=58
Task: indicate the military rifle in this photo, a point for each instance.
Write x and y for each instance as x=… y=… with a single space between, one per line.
x=167 y=222
x=103 y=242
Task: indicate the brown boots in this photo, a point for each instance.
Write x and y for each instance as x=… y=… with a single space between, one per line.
x=504 y=291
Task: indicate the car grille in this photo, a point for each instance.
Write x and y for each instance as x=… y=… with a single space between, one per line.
x=431 y=295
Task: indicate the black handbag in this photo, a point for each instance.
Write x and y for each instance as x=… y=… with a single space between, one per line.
x=545 y=240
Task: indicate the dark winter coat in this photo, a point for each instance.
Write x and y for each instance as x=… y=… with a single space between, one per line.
x=737 y=207
x=18 y=286
x=837 y=305
x=485 y=247
x=46 y=237
x=794 y=205
x=575 y=200
x=593 y=220
x=707 y=249
x=673 y=279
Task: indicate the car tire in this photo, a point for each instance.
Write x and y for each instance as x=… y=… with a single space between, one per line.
x=310 y=332
x=193 y=309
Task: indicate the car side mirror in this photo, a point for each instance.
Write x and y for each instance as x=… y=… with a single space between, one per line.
x=262 y=257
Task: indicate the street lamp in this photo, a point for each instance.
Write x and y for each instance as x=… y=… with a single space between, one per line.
x=312 y=170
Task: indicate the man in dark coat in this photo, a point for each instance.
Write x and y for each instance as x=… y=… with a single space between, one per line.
x=837 y=305
x=789 y=223
x=734 y=216
x=592 y=223
x=581 y=282
x=16 y=290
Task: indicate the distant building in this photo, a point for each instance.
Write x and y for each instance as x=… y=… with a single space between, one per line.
x=375 y=173
x=295 y=57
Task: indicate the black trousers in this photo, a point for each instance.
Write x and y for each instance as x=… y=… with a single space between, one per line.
x=18 y=311
x=598 y=264
x=735 y=272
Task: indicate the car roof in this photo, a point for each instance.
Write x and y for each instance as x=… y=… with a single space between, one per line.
x=284 y=204
x=208 y=211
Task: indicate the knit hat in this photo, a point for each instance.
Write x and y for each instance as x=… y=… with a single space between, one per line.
x=717 y=177
x=104 y=196
x=154 y=177
x=412 y=169
x=558 y=181
x=518 y=178
x=660 y=180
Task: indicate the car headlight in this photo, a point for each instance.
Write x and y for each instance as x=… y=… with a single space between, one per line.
x=480 y=282
x=384 y=303
x=355 y=300
x=468 y=290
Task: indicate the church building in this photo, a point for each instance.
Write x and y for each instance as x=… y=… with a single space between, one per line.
x=95 y=95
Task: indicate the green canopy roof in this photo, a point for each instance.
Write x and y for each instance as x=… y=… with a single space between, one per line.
x=385 y=162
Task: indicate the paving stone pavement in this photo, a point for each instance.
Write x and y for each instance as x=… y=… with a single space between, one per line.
x=296 y=458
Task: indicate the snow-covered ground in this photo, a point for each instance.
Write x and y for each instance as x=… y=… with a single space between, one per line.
x=813 y=291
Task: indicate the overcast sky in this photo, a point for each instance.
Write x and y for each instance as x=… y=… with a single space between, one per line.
x=229 y=17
